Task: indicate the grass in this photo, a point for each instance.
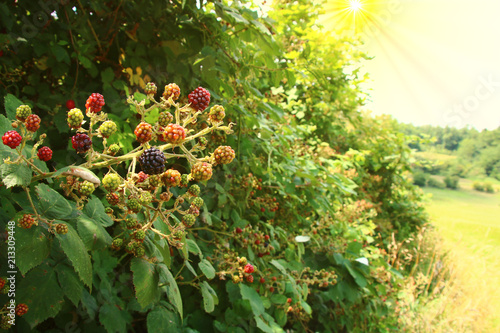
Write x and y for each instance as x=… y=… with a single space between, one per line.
x=467 y=221
x=432 y=156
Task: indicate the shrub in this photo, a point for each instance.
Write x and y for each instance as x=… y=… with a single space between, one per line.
x=478 y=186
x=451 y=182
x=433 y=182
x=420 y=178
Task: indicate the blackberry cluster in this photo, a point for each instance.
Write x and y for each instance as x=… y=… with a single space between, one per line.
x=217 y=113
x=171 y=178
x=150 y=88
x=12 y=139
x=61 y=229
x=172 y=90
x=86 y=188
x=95 y=103
x=27 y=221
x=199 y=99
x=21 y=309
x=81 y=142
x=44 y=153
x=134 y=205
x=224 y=155
x=117 y=244
x=201 y=171
x=152 y=161
x=107 y=128
x=32 y=122
x=113 y=199
x=165 y=118
x=174 y=134
x=113 y=149
x=22 y=112
x=111 y=182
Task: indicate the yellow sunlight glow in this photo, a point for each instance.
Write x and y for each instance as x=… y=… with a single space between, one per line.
x=355 y=5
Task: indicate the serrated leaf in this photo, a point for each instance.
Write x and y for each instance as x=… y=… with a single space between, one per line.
x=190 y=267
x=32 y=248
x=11 y=103
x=145 y=281
x=358 y=276
x=52 y=204
x=95 y=210
x=93 y=234
x=112 y=318
x=173 y=292
x=15 y=175
x=160 y=320
x=41 y=292
x=73 y=287
x=253 y=297
x=278 y=299
x=75 y=250
x=207 y=268
x=208 y=299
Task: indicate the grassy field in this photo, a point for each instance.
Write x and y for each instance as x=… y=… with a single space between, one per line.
x=469 y=223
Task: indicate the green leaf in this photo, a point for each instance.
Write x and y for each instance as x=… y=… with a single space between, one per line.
x=358 y=276
x=107 y=75
x=15 y=174
x=60 y=53
x=160 y=320
x=173 y=292
x=278 y=299
x=95 y=210
x=209 y=297
x=207 y=268
x=193 y=247
x=280 y=316
x=73 y=287
x=112 y=318
x=52 y=204
x=32 y=248
x=145 y=281
x=77 y=254
x=93 y=234
x=253 y=297
x=41 y=292
x=11 y=103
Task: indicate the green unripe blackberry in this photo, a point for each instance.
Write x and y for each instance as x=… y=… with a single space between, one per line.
x=201 y=171
x=197 y=202
x=131 y=223
x=107 y=128
x=111 y=182
x=216 y=114
x=86 y=188
x=134 y=205
x=5 y=290
x=165 y=118
x=202 y=141
x=117 y=244
x=61 y=229
x=75 y=118
x=5 y=323
x=188 y=220
x=145 y=198
x=178 y=234
x=130 y=247
x=22 y=112
x=155 y=181
x=113 y=149
x=139 y=251
x=184 y=180
x=171 y=178
x=140 y=235
x=194 y=190
x=150 y=88
x=224 y=155
x=109 y=210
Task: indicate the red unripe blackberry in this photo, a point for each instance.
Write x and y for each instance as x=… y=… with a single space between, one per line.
x=216 y=114
x=61 y=229
x=22 y=112
x=171 y=178
x=224 y=155
x=95 y=103
x=21 y=309
x=199 y=99
x=165 y=118
x=174 y=133
x=44 y=153
x=249 y=278
x=143 y=132
x=201 y=171
x=32 y=123
x=81 y=142
x=289 y=300
x=113 y=199
x=70 y=104
x=75 y=118
x=239 y=230
x=249 y=269
x=27 y=221
x=152 y=161
x=142 y=177
x=172 y=90
x=2 y=282
x=12 y=139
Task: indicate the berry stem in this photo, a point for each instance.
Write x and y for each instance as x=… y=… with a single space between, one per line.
x=32 y=205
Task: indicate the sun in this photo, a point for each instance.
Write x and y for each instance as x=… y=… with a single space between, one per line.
x=355 y=5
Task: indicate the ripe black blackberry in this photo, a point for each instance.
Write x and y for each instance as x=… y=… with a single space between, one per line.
x=81 y=142
x=199 y=99
x=152 y=161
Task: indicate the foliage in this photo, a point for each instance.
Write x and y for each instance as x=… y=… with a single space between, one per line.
x=420 y=178
x=451 y=182
x=316 y=189
x=434 y=182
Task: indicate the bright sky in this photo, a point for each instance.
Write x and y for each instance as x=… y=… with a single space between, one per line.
x=435 y=62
